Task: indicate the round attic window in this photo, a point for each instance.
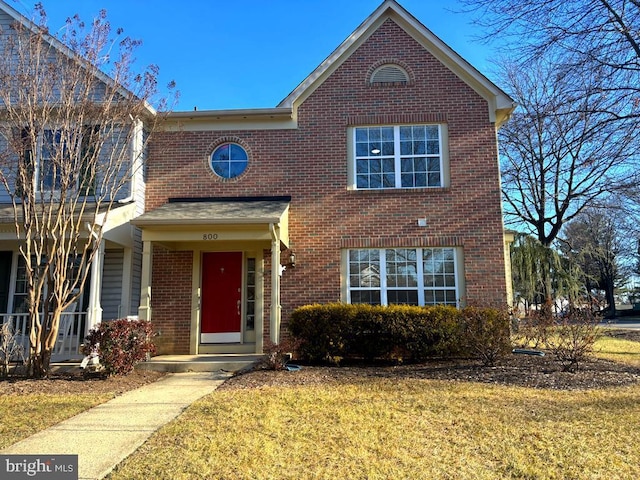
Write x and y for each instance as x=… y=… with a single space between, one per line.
x=229 y=160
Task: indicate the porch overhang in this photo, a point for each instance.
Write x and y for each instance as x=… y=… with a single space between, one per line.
x=113 y=220
x=217 y=224
x=217 y=220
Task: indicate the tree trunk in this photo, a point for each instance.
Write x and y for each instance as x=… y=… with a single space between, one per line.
x=45 y=337
x=611 y=300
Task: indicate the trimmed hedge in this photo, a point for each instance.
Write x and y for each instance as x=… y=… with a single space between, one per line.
x=330 y=332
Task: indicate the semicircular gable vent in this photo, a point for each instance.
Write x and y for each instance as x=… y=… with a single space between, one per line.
x=389 y=74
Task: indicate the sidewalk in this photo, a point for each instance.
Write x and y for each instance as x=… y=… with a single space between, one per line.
x=105 y=435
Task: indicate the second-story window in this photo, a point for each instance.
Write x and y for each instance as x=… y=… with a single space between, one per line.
x=54 y=154
x=400 y=156
x=51 y=165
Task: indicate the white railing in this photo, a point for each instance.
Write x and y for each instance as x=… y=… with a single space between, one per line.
x=70 y=334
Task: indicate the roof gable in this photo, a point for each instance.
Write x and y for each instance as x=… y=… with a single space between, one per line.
x=500 y=104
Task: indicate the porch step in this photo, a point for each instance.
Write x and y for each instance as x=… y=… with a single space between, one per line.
x=200 y=363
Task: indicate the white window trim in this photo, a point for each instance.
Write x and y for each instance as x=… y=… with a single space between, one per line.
x=443 y=133
x=383 y=288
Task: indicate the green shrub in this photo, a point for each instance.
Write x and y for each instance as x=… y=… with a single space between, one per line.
x=369 y=334
x=321 y=330
x=486 y=333
x=433 y=332
x=334 y=331
x=120 y=344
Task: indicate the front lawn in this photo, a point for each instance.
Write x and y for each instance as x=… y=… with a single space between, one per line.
x=618 y=350
x=24 y=415
x=28 y=405
x=381 y=428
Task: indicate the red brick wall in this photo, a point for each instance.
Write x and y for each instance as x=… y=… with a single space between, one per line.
x=310 y=164
x=171 y=300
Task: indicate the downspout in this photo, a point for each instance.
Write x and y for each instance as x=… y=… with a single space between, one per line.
x=275 y=285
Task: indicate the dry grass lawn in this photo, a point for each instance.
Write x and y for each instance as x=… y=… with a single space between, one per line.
x=24 y=415
x=383 y=428
x=28 y=406
x=618 y=350
x=364 y=427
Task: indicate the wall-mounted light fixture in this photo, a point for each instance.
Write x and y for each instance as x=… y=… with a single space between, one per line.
x=291 y=259
x=287 y=260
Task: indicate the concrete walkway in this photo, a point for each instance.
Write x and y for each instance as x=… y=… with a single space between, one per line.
x=105 y=435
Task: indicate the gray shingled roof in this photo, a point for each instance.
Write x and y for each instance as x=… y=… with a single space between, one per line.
x=214 y=212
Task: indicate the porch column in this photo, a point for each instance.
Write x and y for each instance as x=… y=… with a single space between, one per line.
x=144 y=311
x=95 y=288
x=275 y=285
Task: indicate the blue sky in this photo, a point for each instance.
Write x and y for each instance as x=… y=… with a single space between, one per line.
x=250 y=53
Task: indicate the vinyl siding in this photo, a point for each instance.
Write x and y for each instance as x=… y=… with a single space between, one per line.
x=112 y=284
x=136 y=272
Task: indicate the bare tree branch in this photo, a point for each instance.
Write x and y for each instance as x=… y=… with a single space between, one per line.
x=71 y=140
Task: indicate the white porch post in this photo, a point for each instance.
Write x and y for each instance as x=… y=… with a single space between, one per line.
x=144 y=311
x=95 y=289
x=275 y=285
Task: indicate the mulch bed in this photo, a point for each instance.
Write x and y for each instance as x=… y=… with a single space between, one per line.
x=515 y=370
x=75 y=382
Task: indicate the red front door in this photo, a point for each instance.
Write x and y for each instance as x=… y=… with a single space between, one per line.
x=220 y=308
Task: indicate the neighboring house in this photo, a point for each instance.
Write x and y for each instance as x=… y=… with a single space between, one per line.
x=113 y=288
x=377 y=177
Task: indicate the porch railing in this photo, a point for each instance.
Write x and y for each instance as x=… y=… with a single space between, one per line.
x=70 y=334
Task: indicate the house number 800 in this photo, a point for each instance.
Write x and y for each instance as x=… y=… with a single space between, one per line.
x=210 y=236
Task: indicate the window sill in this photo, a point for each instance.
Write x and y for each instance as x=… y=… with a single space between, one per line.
x=400 y=191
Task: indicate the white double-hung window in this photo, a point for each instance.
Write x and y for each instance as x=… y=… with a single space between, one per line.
x=400 y=156
x=50 y=163
x=410 y=276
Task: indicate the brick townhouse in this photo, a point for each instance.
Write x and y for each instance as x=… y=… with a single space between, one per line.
x=375 y=181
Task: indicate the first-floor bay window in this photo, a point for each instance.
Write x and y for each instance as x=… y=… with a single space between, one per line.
x=411 y=276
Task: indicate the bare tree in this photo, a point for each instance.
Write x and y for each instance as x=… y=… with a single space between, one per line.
x=562 y=151
x=602 y=35
x=74 y=118
x=597 y=240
